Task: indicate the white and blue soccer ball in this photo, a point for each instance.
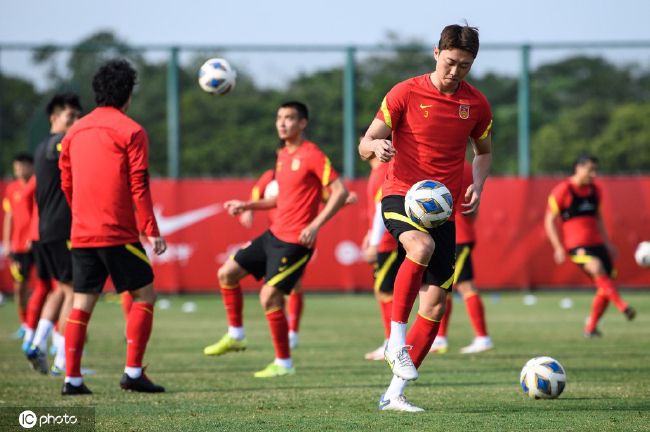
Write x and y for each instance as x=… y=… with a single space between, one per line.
x=642 y=254
x=216 y=76
x=428 y=203
x=542 y=378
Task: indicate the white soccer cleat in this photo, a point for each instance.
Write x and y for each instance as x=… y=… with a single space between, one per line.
x=399 y=403
x=439 y=345
x=479 y=344
x=400 y=363
x=293 y=339
x=377 y=354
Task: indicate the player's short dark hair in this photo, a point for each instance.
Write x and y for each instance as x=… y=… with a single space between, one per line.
x=301 y=108
x=23 y=157
x=62 y=100
x=461 y=37
x=585 y=158
x=113 y=83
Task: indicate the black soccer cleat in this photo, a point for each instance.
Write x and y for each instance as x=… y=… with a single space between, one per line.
x=629 y=313
x=73 y=390
x=37 y=359
x=141 y=384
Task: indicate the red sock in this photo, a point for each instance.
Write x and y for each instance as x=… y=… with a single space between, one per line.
x=421 y=337
x=476 y=314
x=138 y=330
x=233 y=301
x=407 y=285
x=36 y=302
x=279 y=333
x=606 y=285
x=598 y=308
x=127 y=301
x=444 y=322
x=75 y=337
x=386 y=309
x=295 y=305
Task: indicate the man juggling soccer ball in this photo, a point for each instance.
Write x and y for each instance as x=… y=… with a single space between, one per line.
x=431 y=117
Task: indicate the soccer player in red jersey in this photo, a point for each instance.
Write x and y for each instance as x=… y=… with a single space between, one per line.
x=280 y=254
x=575 y=203
x=380 y=249
x=104 y=175
x=18 y=204
x=464 y=283
x=430 y=117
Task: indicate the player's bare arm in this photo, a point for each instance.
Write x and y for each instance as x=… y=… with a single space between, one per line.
x=480 y=170
x=339 y=194
x=236 y=207
x=374 y=143
x=553 y=234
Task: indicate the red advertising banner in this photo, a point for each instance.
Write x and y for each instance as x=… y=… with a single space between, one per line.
x=512 y=250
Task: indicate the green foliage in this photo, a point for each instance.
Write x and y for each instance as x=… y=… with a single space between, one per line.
x=578 y=104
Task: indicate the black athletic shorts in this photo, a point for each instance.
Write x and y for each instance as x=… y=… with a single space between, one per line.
x=386 y=269
x=583 y=254
x=440 y=271
x=127 y=265
x=464 y=269
x=58 y=259
x=21 y=265
x=39 y=261
x=280 y=263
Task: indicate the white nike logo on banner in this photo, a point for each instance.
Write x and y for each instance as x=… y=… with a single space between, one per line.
x=171 y=224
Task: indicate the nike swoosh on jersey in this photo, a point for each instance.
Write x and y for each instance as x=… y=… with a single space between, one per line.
x=170 y=224
x=425 y=106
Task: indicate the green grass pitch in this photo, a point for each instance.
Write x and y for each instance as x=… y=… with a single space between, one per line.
x=335 y=389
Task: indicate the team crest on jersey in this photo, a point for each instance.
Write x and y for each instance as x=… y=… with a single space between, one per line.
x=295 y=164
x=463 y=112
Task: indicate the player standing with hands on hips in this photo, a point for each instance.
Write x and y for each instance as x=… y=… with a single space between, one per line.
x=431 y=117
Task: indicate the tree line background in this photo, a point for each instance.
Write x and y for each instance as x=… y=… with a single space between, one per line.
x=578 y=104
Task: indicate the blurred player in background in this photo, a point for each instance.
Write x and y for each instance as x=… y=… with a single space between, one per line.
x=430 y=117
x=104 y=175
x=281 y=254
x=575 y=204
x=18 y=204
x=54 y=219
x=380 y=249
x=464 y=283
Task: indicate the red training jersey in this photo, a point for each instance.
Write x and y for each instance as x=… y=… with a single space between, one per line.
x=259 y=190
x=578 y=209
x=104 y=175
x=430 y=133
x=19 y=202
x=465 y=232
x=301 y=176
x=374 y=193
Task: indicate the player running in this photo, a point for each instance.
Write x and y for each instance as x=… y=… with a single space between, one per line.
x=53 y=222
x=464 y=283
x=18 y=205
x=280 y=254
x=380 y=249
x=430 y=117
x=104 y=175
x=575 y=204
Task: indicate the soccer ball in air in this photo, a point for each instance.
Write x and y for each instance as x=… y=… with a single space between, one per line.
x=542 y=378
x=642 y=254
x=428 y=203
x=216 y=76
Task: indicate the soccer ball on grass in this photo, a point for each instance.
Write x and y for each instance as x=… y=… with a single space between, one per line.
x=542 y=378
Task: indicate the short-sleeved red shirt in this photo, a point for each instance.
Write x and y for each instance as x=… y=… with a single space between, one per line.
x=465 y=232
x=577 y=231
x=430 y=132
x=301 y=176
x=374 y=193
x=19 y=201
x=259 y=190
